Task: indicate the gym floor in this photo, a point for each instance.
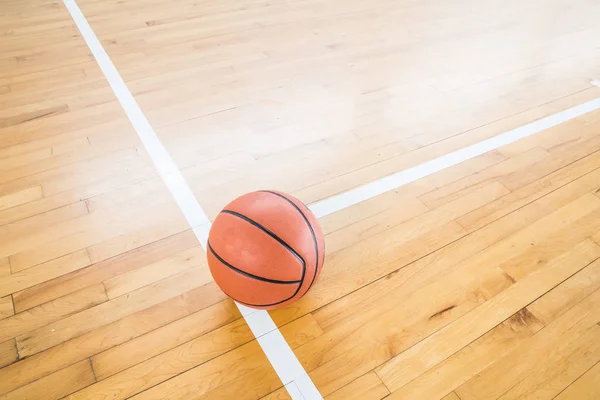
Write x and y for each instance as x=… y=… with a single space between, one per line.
x=473 y=274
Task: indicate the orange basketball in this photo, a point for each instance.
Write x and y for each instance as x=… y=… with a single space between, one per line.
x=265 y=249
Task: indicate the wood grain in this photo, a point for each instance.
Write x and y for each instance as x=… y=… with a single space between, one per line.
x=8 y=353
x=479 y=281
x=57 y=385
x=368 y=386
x=585 y=387
x=52 y=311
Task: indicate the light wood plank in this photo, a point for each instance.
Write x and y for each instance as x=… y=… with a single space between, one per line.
x=279 y=394
x=57 y=385
x=6 y=307
x=21 y=197
x=7 y=120
x=567 y=294
x=108 y=336
x=403 y=368
x=42 y=222
x=580 y=175
x=367 y=387
x=97 y=273
x=543 y=247
x=224 y=377
x=74 y=195
x=560 y=157
x=129 y=281
x=8 y=353
x=137 y=350
x=344 y=354
x=524 y=216
x=168 y=224
x=4 y=267
x=585 y=387
x=451 y=396
x=175 y=361
x=562 y=369
x=52 y=311
x=596 y=238
x=471 y=359
x=541 y=357
x=80 y=323
x=44 y=272
x=494 y=173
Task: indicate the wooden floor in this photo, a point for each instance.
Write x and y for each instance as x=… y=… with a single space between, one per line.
x=479 y=282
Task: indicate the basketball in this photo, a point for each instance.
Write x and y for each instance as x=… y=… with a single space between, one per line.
x=265 y=249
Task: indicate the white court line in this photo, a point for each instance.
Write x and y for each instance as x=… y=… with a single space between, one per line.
x=391 y=182
x=277 y=350
x=282 y=358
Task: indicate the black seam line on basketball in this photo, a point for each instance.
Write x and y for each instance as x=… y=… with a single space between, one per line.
x=280 y=241
x=249 y=275
x=311 y=231
x=268 y=232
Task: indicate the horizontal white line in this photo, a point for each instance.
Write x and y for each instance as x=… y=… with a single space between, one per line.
x=391 y=182
x=277 y=350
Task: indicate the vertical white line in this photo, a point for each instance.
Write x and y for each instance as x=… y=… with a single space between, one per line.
x=280 y=355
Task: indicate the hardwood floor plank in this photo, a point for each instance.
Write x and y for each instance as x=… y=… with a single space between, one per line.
x=43 y=272
x=362 y=343
x=567 y=294
x=52 y=311
x=108 y=336
x=6 y=307
x=596 y=238
x=21 y=197
x=8 y=353
x=7 y=120
x=525 y=261
x=107 y=228
x=584 y=171
x=137 y=350
x=57 y=385
x=168 y=224
x=536 y=357
x=367 y=387
x=561 y=157
x=4 y=267
x=279 y=394
x=471 y=359
x=584 y=388
x=403 y=368
x=97 y=273
x=494 y=173
x=129 y=281
x=555 y=376
x=173 y=362
x=44 y=220
x=224 y=376
x=491 y=234
x=74 y=195
x=451 y=396
x=42 y=338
